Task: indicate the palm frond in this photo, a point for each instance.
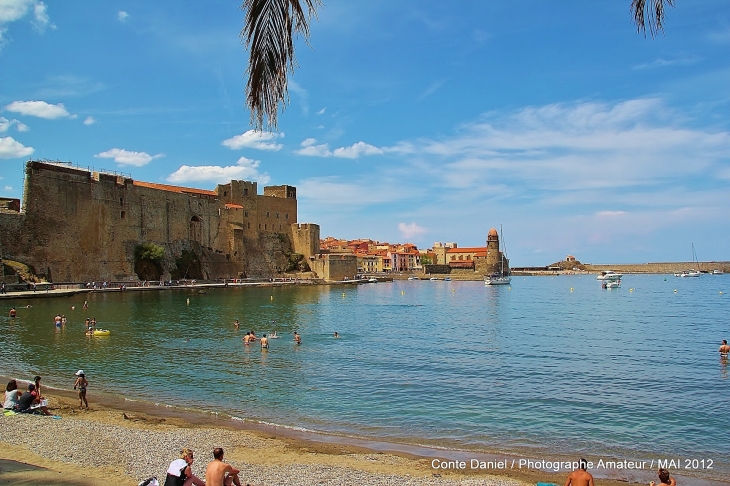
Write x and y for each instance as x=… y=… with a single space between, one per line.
x=651 y=13
x=268 y=33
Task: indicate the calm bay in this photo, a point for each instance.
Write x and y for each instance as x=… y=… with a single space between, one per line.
x=548 y=366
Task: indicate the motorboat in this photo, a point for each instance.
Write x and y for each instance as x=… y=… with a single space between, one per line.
x=373 y=280
x=447 y=279
x=609 y=275
x=413 y=277
x=434 y=278
x=611 y=284
x=717 y=272
x=497 y=280
x=691 y=273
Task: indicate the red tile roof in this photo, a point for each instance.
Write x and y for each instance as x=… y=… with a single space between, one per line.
x=234 y=206
x=178 y=189
x=477 y=249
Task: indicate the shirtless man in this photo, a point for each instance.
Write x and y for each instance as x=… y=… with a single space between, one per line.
x=264 y=342
x=236 y=324
x=247 y=339
x=664 y=478
x=297 y=338
x=13 y=312
x=724 y=349
x=218 y=473
x=580 y=477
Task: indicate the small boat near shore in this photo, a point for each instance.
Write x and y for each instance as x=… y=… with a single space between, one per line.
x=718 y=272
x=611 y=284
x=609 y=275
x=413 y=277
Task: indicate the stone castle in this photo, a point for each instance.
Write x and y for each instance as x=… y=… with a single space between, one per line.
x=77 y=225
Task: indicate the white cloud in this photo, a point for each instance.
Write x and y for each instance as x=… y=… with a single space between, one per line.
x=122 y=16
x=14 y=10
x=8 y=188
x=245 y=169
x=311 y=149
x=321 y=112
x=22 y=127
x=610 y=214
x=685 y=61
x=127 y=157
x=256 y=140
x=5 y=124
x=41 y=109
x=10 y=149
x=411 y=230
x=90 y=120
x=356 y=150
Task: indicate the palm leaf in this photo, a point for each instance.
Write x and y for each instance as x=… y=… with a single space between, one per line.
x=651 y=13
x=268 y=33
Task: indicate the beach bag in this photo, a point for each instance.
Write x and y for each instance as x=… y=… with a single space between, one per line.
x=149 y=482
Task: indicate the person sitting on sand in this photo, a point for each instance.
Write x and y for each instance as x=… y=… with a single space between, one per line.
x=724 y=349
x=218 y=473
x=37 y=391
x=264 y=342
x=664 y=478
x=30 y=403
x=580 y=477
x=81 y=383
x=12 y=395
x=180 y=472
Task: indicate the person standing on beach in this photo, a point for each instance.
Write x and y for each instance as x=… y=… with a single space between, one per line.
x=580 y=477
x=218 y=473
x=81 y=383
x=724 y=348
x=180 y=472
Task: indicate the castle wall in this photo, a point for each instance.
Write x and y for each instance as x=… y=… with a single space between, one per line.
x=305 y=239
x=334 y=267
x=78 y=225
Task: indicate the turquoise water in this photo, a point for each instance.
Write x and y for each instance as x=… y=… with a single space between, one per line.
x=536 y=367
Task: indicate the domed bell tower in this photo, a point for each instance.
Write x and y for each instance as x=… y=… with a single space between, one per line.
x=493 y=254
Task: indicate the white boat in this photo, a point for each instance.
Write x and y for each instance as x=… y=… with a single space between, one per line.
x=434 y=278
x=609 y=275
x=611 y=284
x=447 y=279
x=691 y=273
x=373 y=280
x=499 y=278
x=413 y=277
x=717 y=272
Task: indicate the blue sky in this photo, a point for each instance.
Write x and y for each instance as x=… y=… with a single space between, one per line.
x=414 y=121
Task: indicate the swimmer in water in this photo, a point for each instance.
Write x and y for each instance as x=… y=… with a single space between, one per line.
x=336 y=335
x=724 y=349
x=297 y=338
x=236 y=324
x=264 y=342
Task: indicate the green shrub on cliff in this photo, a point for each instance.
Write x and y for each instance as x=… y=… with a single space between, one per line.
x=149 y=251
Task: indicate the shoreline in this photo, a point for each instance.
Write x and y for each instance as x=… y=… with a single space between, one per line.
x=412 y=464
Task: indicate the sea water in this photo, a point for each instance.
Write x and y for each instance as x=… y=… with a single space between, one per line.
x=547 y=365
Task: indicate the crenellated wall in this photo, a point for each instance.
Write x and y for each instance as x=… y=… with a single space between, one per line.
x=78 y=225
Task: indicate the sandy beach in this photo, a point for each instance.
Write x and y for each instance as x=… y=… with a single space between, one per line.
x=121 y=444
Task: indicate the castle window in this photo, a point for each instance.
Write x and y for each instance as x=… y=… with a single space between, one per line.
x=245 y=191
x=123 y=214
x=248 y=226
x=245 y=214
x=121 y=201
x=286 y=216
x=265 y=227
x=277 y=215
x=267 y=214
x=225 y=193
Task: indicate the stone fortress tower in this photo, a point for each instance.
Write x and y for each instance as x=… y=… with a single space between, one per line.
x=495 y=259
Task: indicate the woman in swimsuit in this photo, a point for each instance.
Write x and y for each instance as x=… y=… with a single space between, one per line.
x=81 y=384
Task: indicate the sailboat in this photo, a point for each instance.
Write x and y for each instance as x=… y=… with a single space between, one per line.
x=501 y=278
x=693 y=272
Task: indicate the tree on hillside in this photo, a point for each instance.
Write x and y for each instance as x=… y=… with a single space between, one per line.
x=269 y=30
